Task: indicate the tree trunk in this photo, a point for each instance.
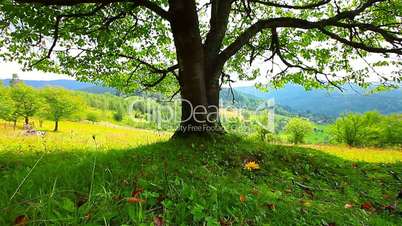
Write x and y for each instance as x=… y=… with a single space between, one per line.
x=26 y=120
x=200 y=95
x=14 y=124
x=56 y=126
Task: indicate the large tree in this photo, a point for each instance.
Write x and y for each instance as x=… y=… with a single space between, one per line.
x=196 y=45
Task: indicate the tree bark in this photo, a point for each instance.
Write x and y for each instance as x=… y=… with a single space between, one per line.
x=200 y=97
x=26 y=120
x=56 y=126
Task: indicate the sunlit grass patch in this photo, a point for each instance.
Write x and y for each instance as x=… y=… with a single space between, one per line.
x=128 y=176
x=77 y=136
x=366 y=154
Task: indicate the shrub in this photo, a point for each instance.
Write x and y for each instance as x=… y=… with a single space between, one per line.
x=92 y=117
x=297 y=129
x=118 y=116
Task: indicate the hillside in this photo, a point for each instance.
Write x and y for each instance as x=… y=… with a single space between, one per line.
x=94 y=175
x=67 y=84
x=331 y=103
x=318 y=105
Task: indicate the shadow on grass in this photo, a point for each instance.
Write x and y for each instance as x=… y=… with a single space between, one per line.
x=193 y=182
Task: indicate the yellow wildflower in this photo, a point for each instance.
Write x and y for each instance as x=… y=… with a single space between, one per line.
x=251 y=166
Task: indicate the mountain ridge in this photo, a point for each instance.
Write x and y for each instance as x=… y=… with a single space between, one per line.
x=294 y=97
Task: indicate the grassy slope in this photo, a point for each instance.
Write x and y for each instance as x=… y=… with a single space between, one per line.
x=185 y=182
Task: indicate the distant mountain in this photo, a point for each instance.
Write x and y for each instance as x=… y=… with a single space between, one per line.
x=67 y=84
x=238 y=99
x=331 y=103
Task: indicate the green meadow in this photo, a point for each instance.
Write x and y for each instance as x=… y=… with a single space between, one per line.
x=94 y=174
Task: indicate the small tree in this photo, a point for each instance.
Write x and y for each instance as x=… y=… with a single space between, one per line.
x=60 y=104
x=298 y=128
x=392 y=130
x=7 y=105
x=26 y=100
x=369 y=129
x=356 y=129
x=92 y=117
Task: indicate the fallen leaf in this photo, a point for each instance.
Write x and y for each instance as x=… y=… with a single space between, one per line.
x=367 y=206
x=135 y=200
x=21 y=220
x=242 y=198
x=354 y=165
x=158 y=221
x=390 y=208
x=348 y=206
x=136 y=192
x=88 y=216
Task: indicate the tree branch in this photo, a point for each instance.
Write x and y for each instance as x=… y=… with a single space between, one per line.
x=359 y=45
x=220 y=11
x=260 y=25
x=164 y=72
x=286 y=6
x=145 y=3
x=55 y=38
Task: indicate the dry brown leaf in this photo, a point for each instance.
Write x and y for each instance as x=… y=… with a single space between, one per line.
x=367 y=206
x=136 y=192
x=158 y=221
x=348 y=206
x=135 y=200
x=21 y=220
x=88 y=216
x=242 y=198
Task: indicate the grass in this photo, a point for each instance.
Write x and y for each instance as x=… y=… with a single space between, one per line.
x=136 y=177
x=366 y=154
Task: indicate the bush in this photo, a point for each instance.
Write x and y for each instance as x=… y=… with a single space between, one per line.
x=297 y=129
x=92 y=117
x=369 y=129
x=118 y=116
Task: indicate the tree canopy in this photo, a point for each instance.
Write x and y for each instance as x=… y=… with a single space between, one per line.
x=26 y=101
x=192 y=47
x=60 y=104
x=129 y=44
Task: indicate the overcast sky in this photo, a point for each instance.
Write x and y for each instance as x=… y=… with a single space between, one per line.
x=7 y=69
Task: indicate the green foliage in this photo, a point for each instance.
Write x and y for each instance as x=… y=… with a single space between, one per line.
x=118 y=115
x=60 y=104
x=7 y=105
x=92 y=117
x=297 y=129
x=26 y=100
x=106 y=34
x=391 y=130
x=369 y=129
